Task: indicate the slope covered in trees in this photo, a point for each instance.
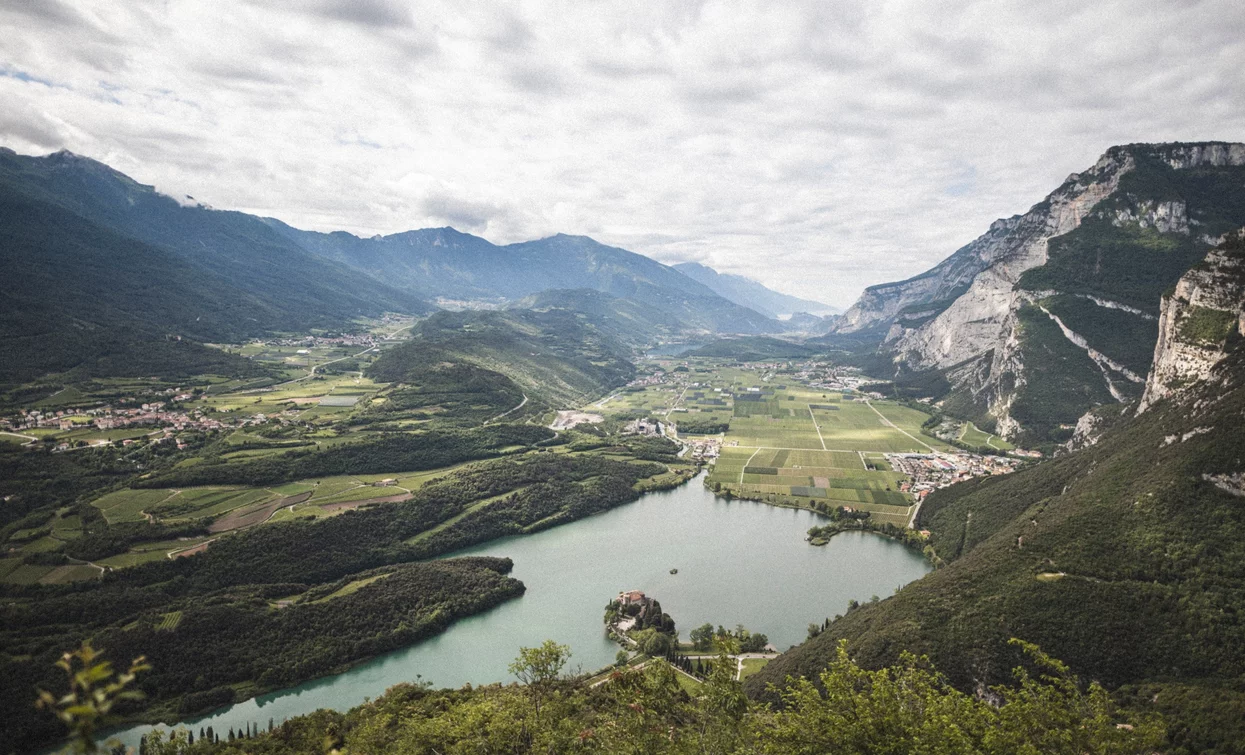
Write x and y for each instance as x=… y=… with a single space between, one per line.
x=1124 y=559
x=553 y=356
x=278 y=604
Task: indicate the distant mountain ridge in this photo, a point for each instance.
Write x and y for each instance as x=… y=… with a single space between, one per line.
x=104 y=276
x=749 y=293
x=120 y=269
x=452 y=267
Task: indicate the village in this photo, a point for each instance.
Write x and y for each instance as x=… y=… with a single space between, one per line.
x=163 y=421
x=930 y=471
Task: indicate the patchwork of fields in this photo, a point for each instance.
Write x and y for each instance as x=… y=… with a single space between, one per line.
x=787 y=443
x=237 y=507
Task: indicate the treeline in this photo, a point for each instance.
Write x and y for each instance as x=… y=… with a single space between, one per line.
x=904 y=708
x=222 y=641
x=34 y=479
x=701 y=426
x=387 y=453
x=228 y=588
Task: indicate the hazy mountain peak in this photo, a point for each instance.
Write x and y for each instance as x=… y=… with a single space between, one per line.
x=749 y=293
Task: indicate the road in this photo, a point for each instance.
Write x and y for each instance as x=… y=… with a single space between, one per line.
x=887 y=422
x=340 y=359
x=312 y=373
x=512 y=411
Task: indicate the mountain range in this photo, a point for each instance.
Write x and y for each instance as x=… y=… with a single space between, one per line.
x=107 y=276
x=1054 y=312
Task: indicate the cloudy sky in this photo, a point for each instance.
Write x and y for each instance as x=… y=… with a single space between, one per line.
x=818 y=147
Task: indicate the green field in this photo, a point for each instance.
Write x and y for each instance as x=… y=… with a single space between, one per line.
x=751 y=666
x=788 y=443
x=971 y=436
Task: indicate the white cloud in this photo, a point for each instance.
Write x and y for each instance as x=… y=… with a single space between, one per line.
x=816 y=147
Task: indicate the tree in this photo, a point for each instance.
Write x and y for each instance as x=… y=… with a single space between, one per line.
x=911 y=707
x=541 y=665
x=93 y=691
x=702 y=637
x=620 y=659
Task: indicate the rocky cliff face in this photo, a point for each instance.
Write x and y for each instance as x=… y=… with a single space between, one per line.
x=1154 y=197
x=1206 y=309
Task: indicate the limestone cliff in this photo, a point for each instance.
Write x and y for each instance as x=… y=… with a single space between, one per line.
x=1206 y=309
x=1091 y=260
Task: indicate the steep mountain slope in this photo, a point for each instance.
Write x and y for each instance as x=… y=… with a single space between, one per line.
x=450 y=266
x=80 y=297
x=1197 y=319
x=1124 y=559
x=301 y=289
x=748 y=293
x=556 y=358
x=1054 y=312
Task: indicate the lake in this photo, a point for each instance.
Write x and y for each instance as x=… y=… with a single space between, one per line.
x=739 y=562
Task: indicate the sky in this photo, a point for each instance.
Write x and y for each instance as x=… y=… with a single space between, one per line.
x=817 y=147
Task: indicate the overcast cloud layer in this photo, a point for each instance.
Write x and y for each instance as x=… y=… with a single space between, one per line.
x=817 y=147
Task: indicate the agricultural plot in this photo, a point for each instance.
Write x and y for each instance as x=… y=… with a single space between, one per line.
x=791 y=444
x=330 y=392
x=144 y=552
x=128 y=505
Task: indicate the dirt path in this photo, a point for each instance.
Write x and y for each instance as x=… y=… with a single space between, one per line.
x=817 y=427
x=745 y=466
x=888 y=423
x=29 y=438
x=345 y=505
x=253 y=515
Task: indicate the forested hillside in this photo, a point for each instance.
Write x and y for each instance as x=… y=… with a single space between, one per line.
x=303 y=289
x=1124 y=559
x=554 y=356
x=79 y=296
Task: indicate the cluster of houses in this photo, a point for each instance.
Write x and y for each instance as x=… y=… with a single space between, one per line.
x=657 y=378
x=153 y=414
x=307 y=342
x=931 y=471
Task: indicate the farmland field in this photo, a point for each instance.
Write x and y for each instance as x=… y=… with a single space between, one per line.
x=788 y=443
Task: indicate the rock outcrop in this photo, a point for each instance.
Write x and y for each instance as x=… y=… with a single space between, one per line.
x=964 y=316
x=1205 y=310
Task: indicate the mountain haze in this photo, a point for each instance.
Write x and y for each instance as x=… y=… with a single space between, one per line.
x=458 y=268
x=748 y=293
